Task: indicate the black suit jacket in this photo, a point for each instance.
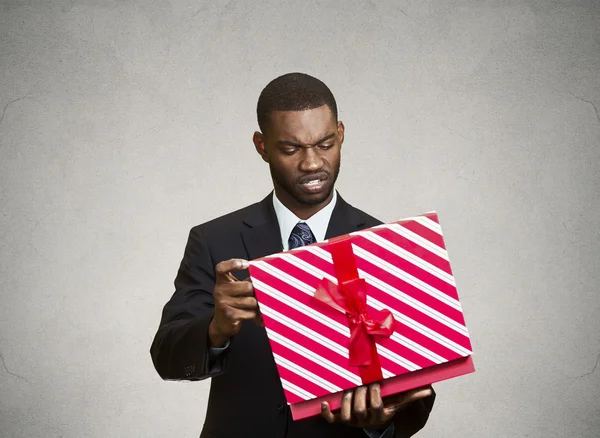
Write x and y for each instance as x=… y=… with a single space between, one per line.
x=246 y=399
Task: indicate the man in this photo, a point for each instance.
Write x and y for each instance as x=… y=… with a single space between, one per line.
x=211 y=327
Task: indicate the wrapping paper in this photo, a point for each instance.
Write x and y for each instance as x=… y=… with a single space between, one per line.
x=377 y=305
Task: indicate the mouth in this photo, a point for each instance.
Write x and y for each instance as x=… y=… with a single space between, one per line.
x=314 y=183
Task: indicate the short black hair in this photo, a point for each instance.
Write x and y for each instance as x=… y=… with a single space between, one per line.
x=293 y=92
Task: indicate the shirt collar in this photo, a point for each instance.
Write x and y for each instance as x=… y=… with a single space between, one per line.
x=318 y=222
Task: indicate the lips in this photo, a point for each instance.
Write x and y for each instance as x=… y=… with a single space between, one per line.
x=314 y=183
x=321 y=176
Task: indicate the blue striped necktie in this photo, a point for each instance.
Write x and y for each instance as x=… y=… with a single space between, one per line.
x=301 y=235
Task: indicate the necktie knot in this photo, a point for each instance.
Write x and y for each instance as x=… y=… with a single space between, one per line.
x=301 y=235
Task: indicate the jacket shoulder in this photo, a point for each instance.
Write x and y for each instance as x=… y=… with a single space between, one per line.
x=369 y=220
x=364 y=219
x=225 y=222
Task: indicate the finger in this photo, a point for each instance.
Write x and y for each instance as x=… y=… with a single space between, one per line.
x=360 y=403
x=375 y=403
x=243 y=303
x=346 y=411
x=247 y=315
x=237 y=315
x=229 y=276
x=326 y=413
x=408 y=396
x=388 y=413
x=224 y=267
x=391 y=409
x=416 y=394
x=237 y=289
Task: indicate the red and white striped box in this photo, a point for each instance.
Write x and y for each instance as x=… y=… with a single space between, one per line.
x=376 y=305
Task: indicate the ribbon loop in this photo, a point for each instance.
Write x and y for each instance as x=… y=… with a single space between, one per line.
x=350 y=297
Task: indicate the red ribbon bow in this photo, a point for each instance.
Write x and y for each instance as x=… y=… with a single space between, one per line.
x=350 y=296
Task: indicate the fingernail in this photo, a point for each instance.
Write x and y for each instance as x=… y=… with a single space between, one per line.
x=425 y=392
x=323 y=406
x=244 y=264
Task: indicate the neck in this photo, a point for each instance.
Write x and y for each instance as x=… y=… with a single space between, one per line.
x=302 y=211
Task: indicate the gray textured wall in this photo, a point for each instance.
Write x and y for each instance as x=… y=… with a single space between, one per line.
x=119 y=124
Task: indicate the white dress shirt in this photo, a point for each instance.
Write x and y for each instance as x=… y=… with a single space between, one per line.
x=287 y=220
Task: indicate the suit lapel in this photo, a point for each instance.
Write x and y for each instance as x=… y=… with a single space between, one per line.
x=344 y=219
x=262 y=236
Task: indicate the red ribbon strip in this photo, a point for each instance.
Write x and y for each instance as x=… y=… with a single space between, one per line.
x=350 y=296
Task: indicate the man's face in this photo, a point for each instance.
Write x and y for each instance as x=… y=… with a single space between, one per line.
x=303 y=151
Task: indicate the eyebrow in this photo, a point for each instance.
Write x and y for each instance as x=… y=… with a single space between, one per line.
x=297 y=145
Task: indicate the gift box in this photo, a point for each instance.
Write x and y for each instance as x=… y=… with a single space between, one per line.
x=376 y=305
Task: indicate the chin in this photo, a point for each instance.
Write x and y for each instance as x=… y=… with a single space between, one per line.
x=313 y=199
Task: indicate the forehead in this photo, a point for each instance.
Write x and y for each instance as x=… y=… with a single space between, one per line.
x=304 y=127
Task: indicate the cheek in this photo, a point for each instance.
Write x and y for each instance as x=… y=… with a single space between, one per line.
x=285 y=164
x=332 y=157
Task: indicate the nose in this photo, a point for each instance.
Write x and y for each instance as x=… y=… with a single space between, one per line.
x=311 y=161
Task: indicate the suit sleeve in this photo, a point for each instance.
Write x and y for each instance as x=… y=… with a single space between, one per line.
x=180 y=350
x=412 y=419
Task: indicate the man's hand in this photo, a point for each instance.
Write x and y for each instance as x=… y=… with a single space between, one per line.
x=234 y=302
x=364 y=407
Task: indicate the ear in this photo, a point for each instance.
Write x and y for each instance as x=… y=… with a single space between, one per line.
x=259 y=144
x=341 y=129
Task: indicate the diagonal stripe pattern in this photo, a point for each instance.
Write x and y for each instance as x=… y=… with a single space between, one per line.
x=406 y=267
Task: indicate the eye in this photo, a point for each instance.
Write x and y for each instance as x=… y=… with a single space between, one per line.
x=326 y=146
x=289 y=150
